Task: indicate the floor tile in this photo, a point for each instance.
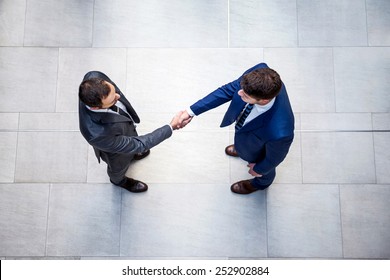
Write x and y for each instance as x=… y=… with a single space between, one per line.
x=49 y=121
x=74 y=63
x=154 y=23
x=308 y=76
x=9 y=121
x=7 y=156
x=20 y=77
x=304 y=221
x=51 y=157
x=163 y=222
x=12 y=14
x=179 y=77
x=381 y=121
x=332 y=23
x=149 y=122
x=209 y=121
x=290 y=170
x=177 y=160
x=338 y=157
x=59 y=23
x=336 y=121
x=84 y=220
x=253 y=24
x=378 y=22
x=357 y=89
x=23 y=219
x=382 y=157
x=365 y=220
x=97 y=173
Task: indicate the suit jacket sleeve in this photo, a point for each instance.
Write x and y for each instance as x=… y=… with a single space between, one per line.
x=216 y=98
x=131 y=144
x=222 y=94
x=275 y=152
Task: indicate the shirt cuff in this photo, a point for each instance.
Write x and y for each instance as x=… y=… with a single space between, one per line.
x=190 y=112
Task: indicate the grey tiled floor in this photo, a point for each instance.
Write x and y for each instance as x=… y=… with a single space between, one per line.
x=332 y=193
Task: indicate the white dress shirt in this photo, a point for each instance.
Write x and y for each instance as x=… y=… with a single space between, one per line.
x=257 y=110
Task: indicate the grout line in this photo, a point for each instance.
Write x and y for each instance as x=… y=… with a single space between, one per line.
x=300 y=146
x=341 y=224
x=375 y=167
x=25 y=23
x=373 y=147
x=228 y=23
x=366 y=12
x=301 y=156
x=58 y=76
x=297 y=17
x=334 y=80
x=93 y=23
x=16 y=147
x=87 y=169
x=47 y=218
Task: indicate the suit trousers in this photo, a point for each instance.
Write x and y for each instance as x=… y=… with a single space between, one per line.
x=264 y=181
x=117 y=165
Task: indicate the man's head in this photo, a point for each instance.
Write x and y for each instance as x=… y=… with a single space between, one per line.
x=97 y=93
x=260 y=86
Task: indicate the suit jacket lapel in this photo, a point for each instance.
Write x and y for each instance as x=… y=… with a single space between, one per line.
x=129 y=108
x=235 y=108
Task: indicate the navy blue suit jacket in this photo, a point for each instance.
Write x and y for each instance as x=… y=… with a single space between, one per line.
x=266 y=139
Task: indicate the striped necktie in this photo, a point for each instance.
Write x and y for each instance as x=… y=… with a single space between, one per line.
x=243 y=116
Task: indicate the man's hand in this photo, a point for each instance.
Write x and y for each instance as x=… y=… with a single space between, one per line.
x=251 y=171
x=185 y=118
x=180 y=120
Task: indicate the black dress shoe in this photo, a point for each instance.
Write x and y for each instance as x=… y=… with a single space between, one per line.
x=134 y=186
x=231 y=151
x=243 y=187
x=141 y=155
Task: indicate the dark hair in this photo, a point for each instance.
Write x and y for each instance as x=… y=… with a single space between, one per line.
x=93 y=91
x=263 y=83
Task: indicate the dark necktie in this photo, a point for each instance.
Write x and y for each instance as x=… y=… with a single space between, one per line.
x=119 y=110
x=244 y=115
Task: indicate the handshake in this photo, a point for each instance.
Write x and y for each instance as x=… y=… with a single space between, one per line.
x=180 y=120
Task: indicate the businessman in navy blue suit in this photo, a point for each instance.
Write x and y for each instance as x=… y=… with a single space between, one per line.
x=264 y=119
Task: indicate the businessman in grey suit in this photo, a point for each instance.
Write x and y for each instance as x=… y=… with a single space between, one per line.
x=107 y=121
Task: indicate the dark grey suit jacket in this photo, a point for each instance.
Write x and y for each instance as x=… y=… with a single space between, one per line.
x=113 y=133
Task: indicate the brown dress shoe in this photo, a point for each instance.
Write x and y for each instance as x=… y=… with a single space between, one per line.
x=231 y=151
x=243 y=187
x=141 y=155
x=134 y=186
